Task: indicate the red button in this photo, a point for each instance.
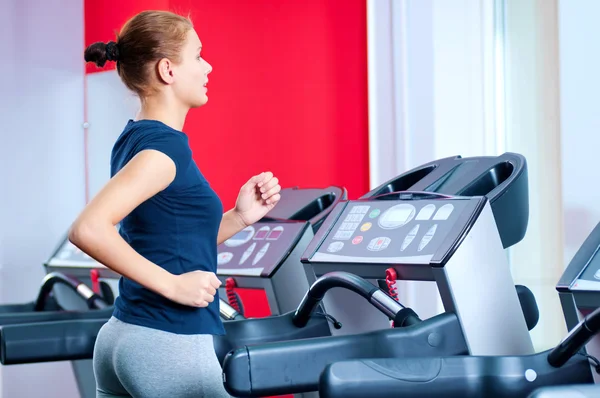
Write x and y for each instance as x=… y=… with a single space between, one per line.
x=357 y=240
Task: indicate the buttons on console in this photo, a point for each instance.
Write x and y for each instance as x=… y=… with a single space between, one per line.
x=224 y=258
x=348 y=226
x=275 y=233
x=261 y=253
x=409 y=237
x=335 y=247
x=444 y=212
x=378 y=244
x=262 y=233
x=355 y=218
x=241 y=237
x=374 y=213
x=359 y=210
x=247 y=253
x=426 y=212
x=427 y=238
x=357 y=240
x=343 y=235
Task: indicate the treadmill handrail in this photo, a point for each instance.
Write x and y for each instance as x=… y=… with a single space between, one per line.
x=381 y=300
x=228 y=313
x=577 y=338
x=293 y=367
x=49 y=341
x=93 y=300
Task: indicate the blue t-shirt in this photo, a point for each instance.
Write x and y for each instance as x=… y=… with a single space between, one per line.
x=176 y=229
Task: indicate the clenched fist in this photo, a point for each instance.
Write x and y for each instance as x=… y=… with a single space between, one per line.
x=194 y=289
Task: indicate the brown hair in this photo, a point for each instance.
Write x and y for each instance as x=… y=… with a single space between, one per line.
x=144 y=40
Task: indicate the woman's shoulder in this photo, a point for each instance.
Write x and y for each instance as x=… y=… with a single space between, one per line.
x=137 y=135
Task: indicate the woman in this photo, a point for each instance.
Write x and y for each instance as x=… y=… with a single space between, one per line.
x=159 y=342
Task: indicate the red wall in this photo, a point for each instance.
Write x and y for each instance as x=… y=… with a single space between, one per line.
x=288 y=91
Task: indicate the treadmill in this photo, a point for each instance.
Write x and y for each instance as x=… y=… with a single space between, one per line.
x=45 y=309
x=290 y=226
x=439 y=222
x=441 y=335
x=571 y=369
x=286 y=230
x=412 y=229
x=264 y=258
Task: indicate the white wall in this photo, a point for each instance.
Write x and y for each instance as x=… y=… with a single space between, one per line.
x=109 y=106
x=580 y=119
x=430 y=94
x=473 y=78
x=533 y=129
x=41 y=155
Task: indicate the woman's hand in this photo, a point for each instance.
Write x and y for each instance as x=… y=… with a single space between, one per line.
x=257 y=197
x=194 y=289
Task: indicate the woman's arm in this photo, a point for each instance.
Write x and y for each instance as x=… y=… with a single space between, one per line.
x=94 y=232
x=257 y=197
x=231 y=224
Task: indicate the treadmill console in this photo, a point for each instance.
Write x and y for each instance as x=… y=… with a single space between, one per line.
x=396 y=231
x=579 y=288
x=69 y=259
x=589 y=279
x=583 y=272
x=259 y=249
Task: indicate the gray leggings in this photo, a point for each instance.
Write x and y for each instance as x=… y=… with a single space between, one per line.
x=139 y=362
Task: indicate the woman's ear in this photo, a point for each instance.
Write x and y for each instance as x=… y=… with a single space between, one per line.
x=165 y=71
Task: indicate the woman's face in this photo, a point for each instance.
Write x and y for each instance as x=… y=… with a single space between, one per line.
x=192 y=73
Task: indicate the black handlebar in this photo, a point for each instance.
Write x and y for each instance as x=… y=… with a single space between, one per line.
x=575 y=340
x=394 y=310
x=93 y=300
x=410 y=195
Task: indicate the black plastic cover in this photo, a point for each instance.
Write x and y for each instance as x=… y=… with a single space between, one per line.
x=17 y=308
x=449 y=377
x=294 y=367
x=48 y=342
x=52 y=316
x=307 y=204
x=528 y=305
x=503 y=180
x=266 y=330
x=40 y=338
x=50 y=305
x=575 y=391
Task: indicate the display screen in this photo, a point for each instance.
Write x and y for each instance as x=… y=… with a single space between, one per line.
x=399 y=215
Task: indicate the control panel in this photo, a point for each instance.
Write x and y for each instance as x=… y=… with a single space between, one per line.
x=70 y=256
x=589 y=279
x=259 y=249
x=69 y=259
x=392 y=231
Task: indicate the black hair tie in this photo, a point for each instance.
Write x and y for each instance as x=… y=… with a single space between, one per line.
x=112 y=51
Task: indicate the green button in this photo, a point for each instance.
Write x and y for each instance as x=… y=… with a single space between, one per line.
x=374 y=213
